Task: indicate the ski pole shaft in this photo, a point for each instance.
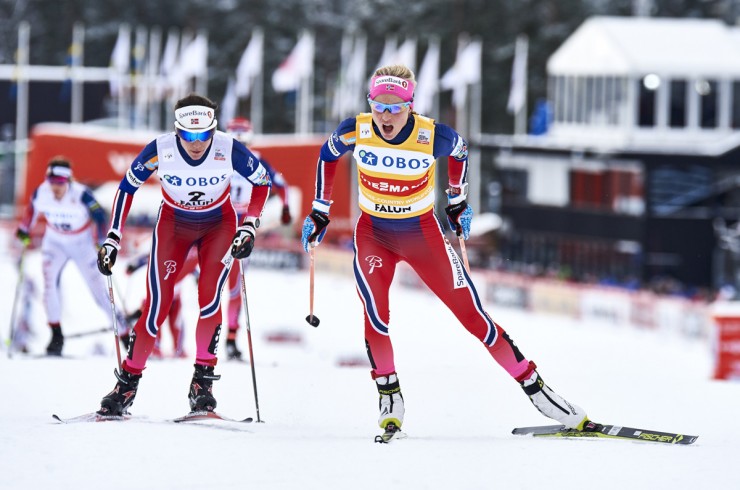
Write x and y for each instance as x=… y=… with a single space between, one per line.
x=16 y=297
x=464 y=254
x=249 y=340
x=311 y=278
x=115 y=322
x=85 y=333
x=312 y=319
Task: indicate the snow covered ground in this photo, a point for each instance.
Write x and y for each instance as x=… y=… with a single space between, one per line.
x=320 y=416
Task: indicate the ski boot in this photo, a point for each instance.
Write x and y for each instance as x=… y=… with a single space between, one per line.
x=117 y=401
x=57 y=342
x=232 y=351
x=390 y=402
x=201 y=389
x=552 y=405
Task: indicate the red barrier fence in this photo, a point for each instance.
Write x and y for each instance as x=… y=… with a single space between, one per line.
x=100 y=155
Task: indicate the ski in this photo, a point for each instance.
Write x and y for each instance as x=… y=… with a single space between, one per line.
x=391 y=433
x=206 y=415
x=91 y=417
x=592 y=429
x=191 y=417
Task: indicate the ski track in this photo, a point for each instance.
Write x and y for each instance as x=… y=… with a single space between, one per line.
x=320 y=418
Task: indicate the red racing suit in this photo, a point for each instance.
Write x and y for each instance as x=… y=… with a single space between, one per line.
x=196 y=211
x=397 y=223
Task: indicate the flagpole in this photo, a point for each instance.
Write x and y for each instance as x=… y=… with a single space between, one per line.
x=461 y=111
x=519 y=76
x=305 y=92
x=123 y=79
x=475 y=103
x=434 y=44
x=341 y=102
x=139 y=78
x=21 y=117
x=257 y=100
x=308 y=105
x=201 y=81
x=152 y=71
x=358 y=97
x=78 y=40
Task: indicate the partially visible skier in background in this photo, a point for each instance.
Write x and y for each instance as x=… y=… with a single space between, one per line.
x=241 y=191
x=75 y=225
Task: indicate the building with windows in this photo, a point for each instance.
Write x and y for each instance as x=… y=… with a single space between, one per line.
x=638 y=168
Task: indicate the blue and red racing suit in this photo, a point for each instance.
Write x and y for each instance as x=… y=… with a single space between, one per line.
x=397 y=223
x=196 y=211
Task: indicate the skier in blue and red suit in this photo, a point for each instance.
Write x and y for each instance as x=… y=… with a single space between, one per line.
x=395 y=150
x=195 y=164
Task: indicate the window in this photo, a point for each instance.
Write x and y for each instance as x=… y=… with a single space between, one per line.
x=707 y=90
x=677 y=115
x=647 y=88
x=735 y=114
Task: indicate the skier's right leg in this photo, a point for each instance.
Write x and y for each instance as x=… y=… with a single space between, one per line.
x=374 y=267
x=54 y=260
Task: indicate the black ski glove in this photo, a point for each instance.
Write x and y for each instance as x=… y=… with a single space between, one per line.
x=243 y=243
x=108 y=253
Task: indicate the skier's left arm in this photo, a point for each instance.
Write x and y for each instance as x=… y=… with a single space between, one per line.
x=280 y=187
x=23 y=233
x=447 y=142
x=97 y=215
x=248 y=166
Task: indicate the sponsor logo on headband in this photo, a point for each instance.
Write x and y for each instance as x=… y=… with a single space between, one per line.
x=196 y=112
x=392 y=80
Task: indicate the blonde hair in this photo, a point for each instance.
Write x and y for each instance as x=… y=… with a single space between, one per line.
x=400 y=71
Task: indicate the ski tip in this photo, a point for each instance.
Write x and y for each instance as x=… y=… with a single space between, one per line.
x=58 y=418
x=682 y=439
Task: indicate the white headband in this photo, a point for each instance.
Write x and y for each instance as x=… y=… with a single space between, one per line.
x=59 y=171
x=195 y=117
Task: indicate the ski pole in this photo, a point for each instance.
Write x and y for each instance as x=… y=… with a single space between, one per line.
x=249 y=340
x=16 y=296
x=85 y=333
x=121 y=298
x=312 y=319
x=115 y=322
x=464 y=254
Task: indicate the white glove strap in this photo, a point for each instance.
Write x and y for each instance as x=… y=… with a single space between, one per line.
x=322 y=206
x=457 y=194
x=113 y=243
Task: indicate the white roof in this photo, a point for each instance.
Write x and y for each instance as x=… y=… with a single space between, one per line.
x=623 y=46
